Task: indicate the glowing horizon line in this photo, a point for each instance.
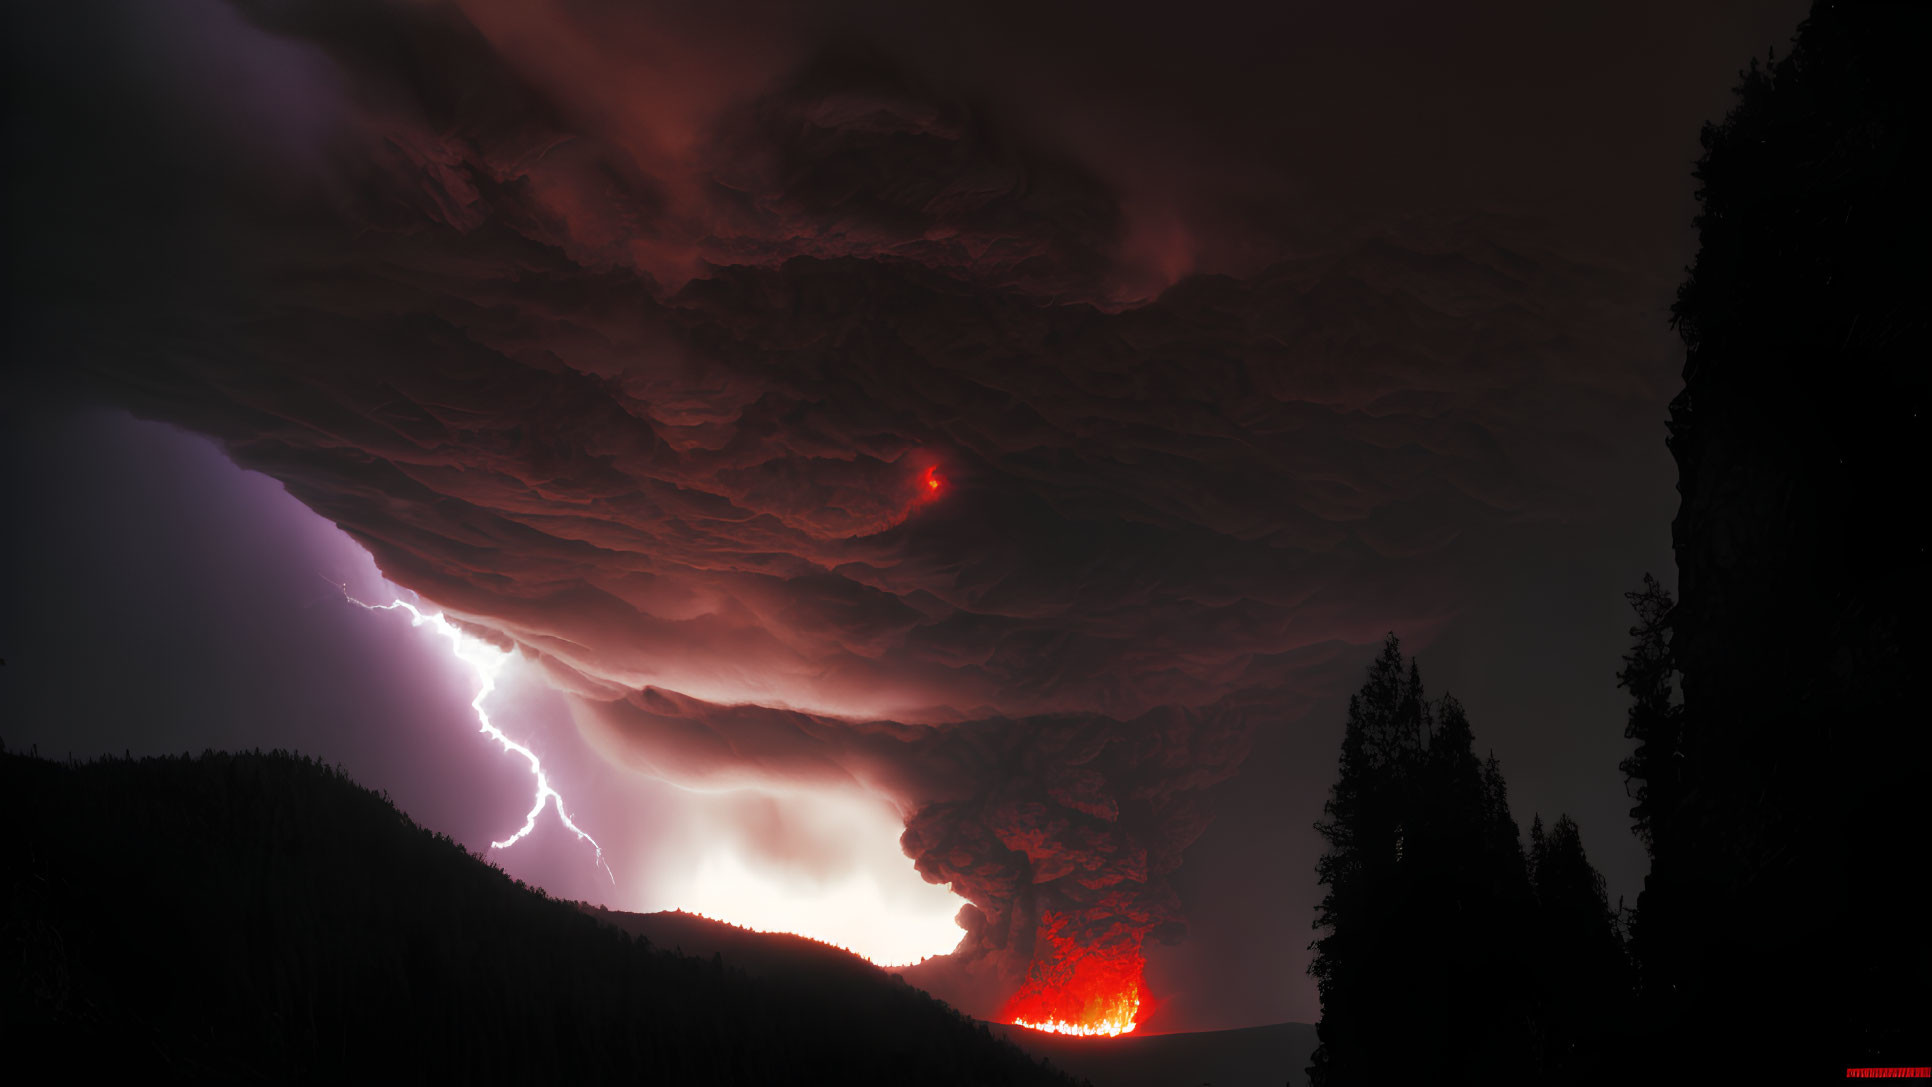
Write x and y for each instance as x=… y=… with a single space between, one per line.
x=485 y=662
x=892 y=964
x=1110 y=1029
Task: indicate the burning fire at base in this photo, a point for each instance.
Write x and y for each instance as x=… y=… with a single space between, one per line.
x=1094 y=992
x=1111 y=1024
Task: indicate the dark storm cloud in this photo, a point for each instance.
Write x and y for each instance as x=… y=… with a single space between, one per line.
x=1081 y=814
x=648 y=383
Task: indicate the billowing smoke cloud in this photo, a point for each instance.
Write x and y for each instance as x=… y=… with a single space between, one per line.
x=644 y=369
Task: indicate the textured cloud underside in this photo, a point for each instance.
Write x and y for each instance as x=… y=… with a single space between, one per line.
x=650 y=384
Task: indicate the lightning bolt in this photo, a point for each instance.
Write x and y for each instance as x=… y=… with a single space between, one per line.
x=485 y=661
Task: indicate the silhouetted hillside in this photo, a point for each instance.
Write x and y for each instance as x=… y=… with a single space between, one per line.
x=1267 y=1056
x=1249 y=1057
x=761 y=954
x=264 y=917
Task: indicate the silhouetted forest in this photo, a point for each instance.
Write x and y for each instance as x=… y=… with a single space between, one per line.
x=1451 y=956
x=263 y=917
x=1786 y=810
x=1777 y=773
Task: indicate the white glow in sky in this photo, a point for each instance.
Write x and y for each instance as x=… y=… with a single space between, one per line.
x=818 y=864
x=860 y=892
x=485 y=662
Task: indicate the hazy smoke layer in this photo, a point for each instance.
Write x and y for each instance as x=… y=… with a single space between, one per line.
x=639 y=344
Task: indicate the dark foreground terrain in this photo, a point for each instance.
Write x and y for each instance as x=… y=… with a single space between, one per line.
x=263 y=917
x=1253 y=1057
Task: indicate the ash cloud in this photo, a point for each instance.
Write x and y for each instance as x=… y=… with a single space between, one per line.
x=646 y=387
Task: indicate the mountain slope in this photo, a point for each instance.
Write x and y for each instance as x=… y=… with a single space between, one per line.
x=263 y=917
x=1250 y=1057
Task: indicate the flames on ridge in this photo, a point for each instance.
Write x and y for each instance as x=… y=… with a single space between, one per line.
x=1069 y=989
x=1114 y=1022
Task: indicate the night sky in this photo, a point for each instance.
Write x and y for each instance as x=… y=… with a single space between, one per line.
x=1011 y=424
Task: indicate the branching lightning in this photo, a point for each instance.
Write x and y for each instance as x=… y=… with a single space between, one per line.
x=485 y=661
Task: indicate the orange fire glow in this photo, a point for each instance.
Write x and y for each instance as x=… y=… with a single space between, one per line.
x=1079 y=990
x=932 y=481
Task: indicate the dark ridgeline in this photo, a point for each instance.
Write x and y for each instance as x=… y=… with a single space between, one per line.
x=261 y=917
x=1787 y=814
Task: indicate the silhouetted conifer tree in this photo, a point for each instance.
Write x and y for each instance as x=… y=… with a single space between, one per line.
x=1354 y=968
x=1582 y=975
x=1654 y=771
x=1804 y=581
x=1476 y=879
x=1654 y=776
x=1422 y=970
x=1504 y=838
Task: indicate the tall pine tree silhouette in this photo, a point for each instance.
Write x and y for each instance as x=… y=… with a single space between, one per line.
x=1654 y=770
x=1804 y=578
x=1582 y=974
x=1654 y=774
x=1472 y=878
x=1423 y=969
x=1358 y=968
